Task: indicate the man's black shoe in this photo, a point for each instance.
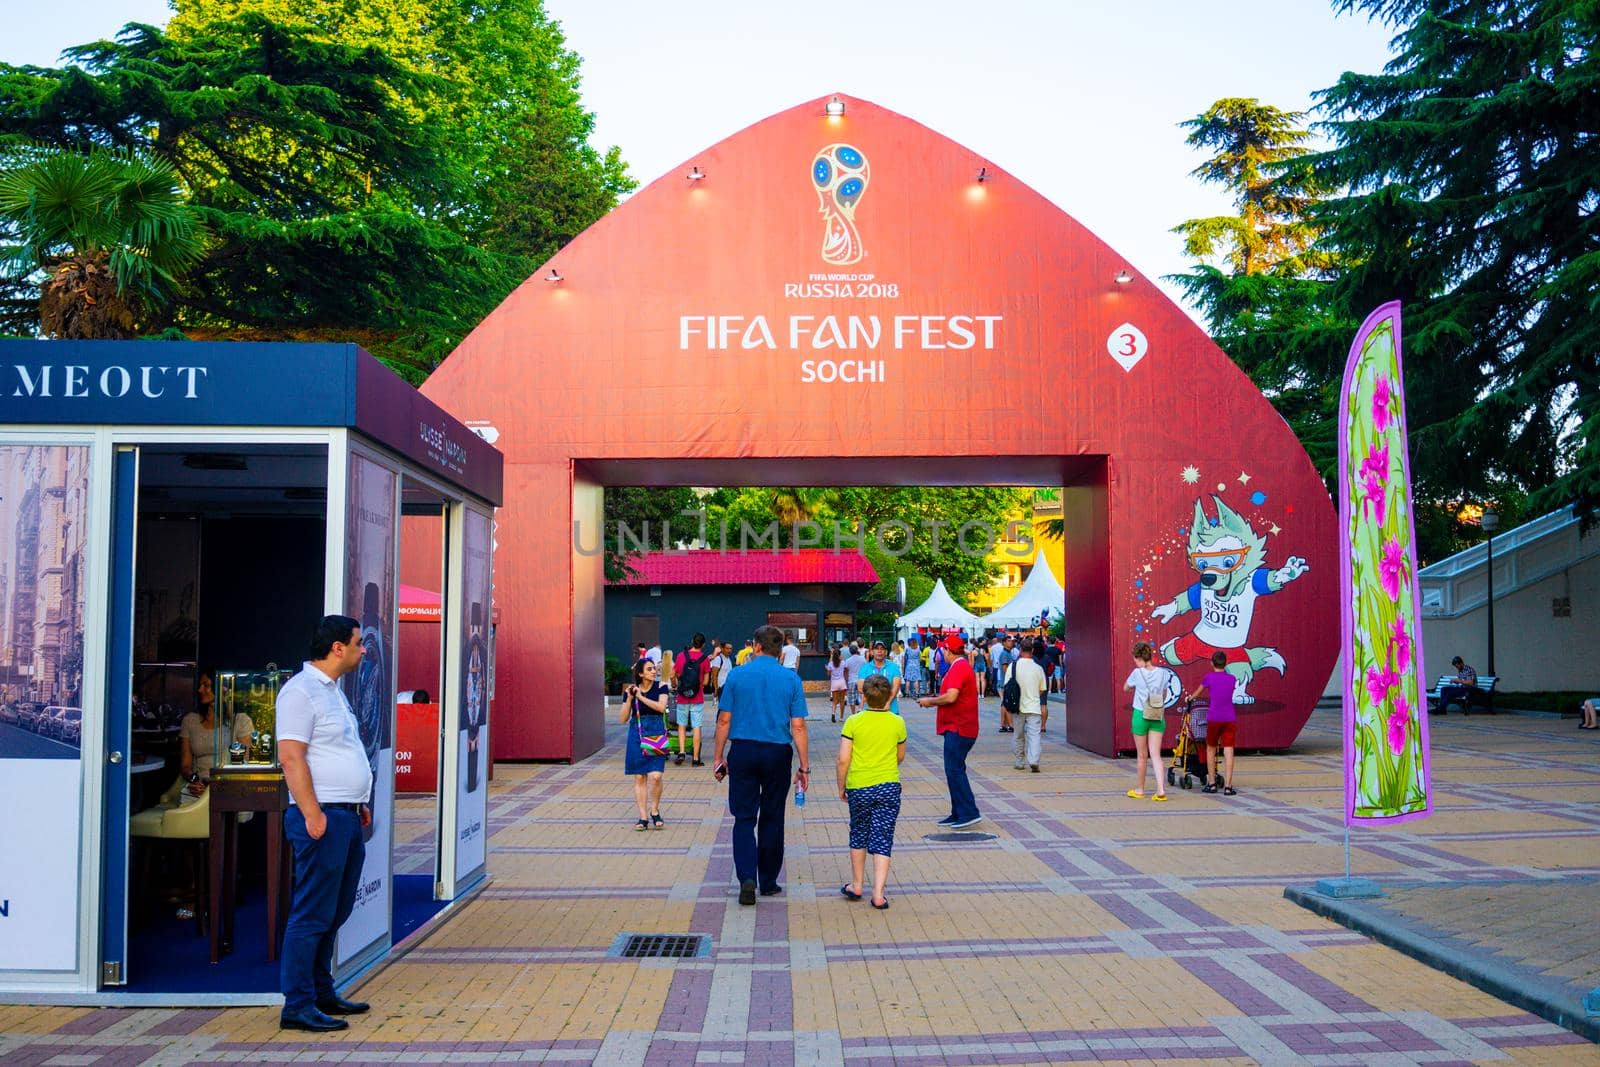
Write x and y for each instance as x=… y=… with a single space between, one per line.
x=747 y=893
x=772 y=890
x=341 y=1006
x=310 y=1019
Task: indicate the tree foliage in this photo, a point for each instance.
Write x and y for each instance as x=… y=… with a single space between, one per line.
x=1260 y=279
x=1463 y=180
x=1259 y=156
x=507 y=103
x=360 y=176
x=109 y=231
x=907 y=532
x=1471 y=166
x=651 y=515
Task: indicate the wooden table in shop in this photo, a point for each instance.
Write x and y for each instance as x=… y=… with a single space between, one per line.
x=236 y=789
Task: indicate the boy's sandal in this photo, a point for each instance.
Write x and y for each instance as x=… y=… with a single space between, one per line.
x=1229 y=791
x=1160 y=796
x=881 y=907
x=1135 y=794
x=655 y=817
x=848 y=895
x=642 y=824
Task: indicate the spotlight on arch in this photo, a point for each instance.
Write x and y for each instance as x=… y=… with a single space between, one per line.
x=553 y=277
x=695 y=174
x=834 y=108
x=983 y=174
x=1124 y=276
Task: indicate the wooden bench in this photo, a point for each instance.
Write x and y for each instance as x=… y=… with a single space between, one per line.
x=1482 y=696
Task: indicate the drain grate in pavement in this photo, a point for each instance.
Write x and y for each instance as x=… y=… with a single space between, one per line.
x=660 y=946
x=958 y=837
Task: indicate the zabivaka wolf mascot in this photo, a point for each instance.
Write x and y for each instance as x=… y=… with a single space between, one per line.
x=1231 y=558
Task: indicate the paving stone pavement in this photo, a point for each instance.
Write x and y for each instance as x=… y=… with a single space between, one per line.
x=1093 y=928
x=1540 y=925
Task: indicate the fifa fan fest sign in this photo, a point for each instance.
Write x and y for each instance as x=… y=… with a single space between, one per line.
x=850 y=298
x=1387 y=769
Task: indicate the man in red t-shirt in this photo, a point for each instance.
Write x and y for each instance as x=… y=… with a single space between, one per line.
x=957 y=720
x=690 y=708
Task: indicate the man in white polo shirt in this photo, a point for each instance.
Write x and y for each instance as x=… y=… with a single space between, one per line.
x=330 y=787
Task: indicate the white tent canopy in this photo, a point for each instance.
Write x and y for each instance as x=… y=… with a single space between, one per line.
x=939 y=610
x=1041 y=592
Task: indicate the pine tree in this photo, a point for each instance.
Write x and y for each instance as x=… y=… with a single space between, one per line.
x=1471 y=166
x=1261 y=277
x=509 y=107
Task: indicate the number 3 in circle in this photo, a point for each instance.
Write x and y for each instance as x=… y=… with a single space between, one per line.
x=1127 y=345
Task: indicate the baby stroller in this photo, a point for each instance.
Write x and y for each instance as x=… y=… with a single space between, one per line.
x=1188 y=766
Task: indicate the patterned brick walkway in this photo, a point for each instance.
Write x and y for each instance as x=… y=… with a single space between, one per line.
x=1094 y=928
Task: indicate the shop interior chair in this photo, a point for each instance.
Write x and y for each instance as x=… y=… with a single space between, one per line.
x=171 y=821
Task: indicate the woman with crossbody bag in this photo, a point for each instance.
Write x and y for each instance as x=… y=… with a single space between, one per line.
x=644 y=709
x=1149 y=685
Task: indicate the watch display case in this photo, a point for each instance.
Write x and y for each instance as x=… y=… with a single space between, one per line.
x=246 y=717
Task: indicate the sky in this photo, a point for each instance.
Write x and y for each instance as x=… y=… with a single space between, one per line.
x=1081 y=101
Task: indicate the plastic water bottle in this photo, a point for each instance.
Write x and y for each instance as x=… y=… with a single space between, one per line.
x=799 y=796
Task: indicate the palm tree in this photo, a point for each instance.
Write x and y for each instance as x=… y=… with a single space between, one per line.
x=110 y=233
x=796 y=504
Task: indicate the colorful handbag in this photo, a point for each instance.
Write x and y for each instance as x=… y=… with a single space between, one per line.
x=651 y=745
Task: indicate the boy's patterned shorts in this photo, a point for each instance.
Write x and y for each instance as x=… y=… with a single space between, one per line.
x=874 y=809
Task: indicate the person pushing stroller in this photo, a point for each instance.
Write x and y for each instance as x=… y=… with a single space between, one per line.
x=1221 y=724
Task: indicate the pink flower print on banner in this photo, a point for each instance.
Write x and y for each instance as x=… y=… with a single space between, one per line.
x=1379 y=682
x=1374 y=479
x=1381 y=398
x=1399 y=719
x=1391 y=567
x=1402 y=646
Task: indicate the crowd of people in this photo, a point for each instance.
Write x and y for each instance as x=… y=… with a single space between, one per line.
x=760 y=728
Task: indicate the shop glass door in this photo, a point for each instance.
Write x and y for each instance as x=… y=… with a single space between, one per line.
x=118 y=718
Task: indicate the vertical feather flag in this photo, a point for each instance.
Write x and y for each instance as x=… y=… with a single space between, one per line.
x=1388 y=773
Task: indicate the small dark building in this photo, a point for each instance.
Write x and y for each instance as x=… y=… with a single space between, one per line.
x=810 y=594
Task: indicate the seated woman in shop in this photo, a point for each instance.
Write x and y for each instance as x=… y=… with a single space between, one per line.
x=197 y=739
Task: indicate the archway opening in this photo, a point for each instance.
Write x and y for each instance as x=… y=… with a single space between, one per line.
x=1086 y=548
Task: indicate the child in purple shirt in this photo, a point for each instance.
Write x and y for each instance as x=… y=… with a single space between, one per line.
x=1222 y=723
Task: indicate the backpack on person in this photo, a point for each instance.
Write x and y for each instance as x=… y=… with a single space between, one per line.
x=1155 y=698
x=1011 y=694
x=689 y=677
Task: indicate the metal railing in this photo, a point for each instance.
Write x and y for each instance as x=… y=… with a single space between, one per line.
x=1523 y=555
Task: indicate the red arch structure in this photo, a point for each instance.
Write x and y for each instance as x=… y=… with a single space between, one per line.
x=841 y=300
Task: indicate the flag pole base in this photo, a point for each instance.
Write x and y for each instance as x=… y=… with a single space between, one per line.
x=1348 y=888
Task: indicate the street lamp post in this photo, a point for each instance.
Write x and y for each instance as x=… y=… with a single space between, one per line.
x=1490 y=522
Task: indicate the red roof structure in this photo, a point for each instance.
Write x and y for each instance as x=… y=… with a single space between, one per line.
x=785 y=567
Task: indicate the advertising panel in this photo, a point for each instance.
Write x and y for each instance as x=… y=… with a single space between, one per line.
x=472 y=793
x=1387 y=761
x=371 y=597
x=44 y=494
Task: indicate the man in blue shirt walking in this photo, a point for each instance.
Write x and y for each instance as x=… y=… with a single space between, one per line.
x=763 y=710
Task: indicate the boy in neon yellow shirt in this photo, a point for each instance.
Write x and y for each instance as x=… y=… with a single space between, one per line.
x=872 y=745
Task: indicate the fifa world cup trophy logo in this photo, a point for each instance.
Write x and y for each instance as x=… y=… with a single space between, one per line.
x=840 y=173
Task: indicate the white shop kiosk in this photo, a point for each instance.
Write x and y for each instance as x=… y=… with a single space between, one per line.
x=178 y=510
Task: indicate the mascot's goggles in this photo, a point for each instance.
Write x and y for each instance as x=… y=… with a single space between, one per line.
x=1223 y=562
